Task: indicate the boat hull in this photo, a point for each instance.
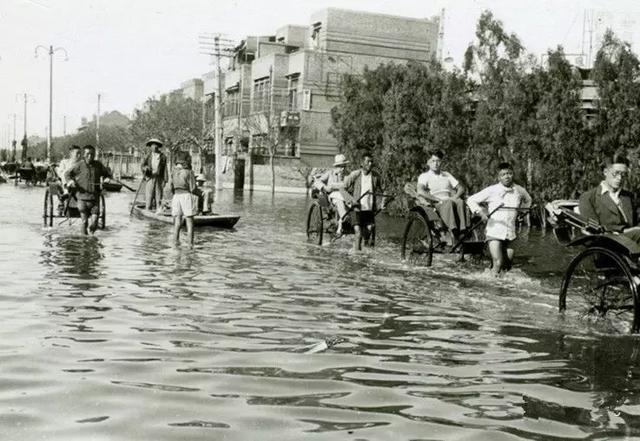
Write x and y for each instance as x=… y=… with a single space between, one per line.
x=212 y=220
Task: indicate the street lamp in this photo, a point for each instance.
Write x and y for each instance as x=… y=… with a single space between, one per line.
x=51 y=51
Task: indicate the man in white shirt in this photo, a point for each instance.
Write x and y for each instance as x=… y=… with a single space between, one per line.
x=501 y=226
x=442 y=189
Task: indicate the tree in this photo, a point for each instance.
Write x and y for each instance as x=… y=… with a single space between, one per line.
x=616 y=72
x=174 y=119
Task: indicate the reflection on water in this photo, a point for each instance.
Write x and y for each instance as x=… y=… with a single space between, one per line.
x=123 y=336
x=79 y=255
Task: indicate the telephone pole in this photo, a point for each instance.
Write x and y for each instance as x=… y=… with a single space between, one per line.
x=98 y=150
x=51 y=51
x=206 y=42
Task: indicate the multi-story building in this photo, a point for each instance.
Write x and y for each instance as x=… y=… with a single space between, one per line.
x=279 y=89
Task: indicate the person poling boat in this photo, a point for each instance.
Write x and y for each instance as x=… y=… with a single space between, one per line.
x=155 y=171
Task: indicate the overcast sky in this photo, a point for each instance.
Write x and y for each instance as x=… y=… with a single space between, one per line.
x=129 y=50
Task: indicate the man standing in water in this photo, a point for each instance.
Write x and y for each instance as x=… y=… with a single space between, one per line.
x=154 y=169
x=86 y=178
x=364 y=185
x=183 y=187
x=501 y=225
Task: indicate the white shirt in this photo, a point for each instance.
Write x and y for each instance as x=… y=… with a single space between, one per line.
x=366 y=185
x=502 y=223
x=614 y=195
x=62 y=168
x=441 y=185
x=155 y=162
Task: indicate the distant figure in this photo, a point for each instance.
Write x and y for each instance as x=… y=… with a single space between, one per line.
x=154 y=169
x=501 y=226
x=28 y=164
x=205 y=198
x=183 y=187
x=86 y=178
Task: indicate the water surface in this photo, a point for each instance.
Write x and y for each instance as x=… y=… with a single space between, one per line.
x=123 y=336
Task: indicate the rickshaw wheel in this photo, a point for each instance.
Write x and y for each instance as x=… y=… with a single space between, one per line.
x=315 y=224
x=599 y=282
x=102 y=217
x=48 y=208
x=417 y=241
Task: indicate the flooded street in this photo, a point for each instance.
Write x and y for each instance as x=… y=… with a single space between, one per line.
x=123 y=336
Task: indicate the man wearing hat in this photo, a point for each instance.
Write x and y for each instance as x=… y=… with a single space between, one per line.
x=331 y=182
x=154 y=170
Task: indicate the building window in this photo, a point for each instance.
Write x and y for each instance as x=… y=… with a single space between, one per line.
x=261 y=90
x=292 y=99
x=259 y=144
x=315 y=35
x=232 y=103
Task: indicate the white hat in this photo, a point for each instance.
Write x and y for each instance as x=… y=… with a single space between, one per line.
x=200 y=177
x=339 y=160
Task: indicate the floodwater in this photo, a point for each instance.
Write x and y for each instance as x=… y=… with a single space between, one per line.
x=123 y=336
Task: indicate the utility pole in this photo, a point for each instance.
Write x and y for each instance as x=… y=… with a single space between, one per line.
x=64 y=125
x=25 y=97
x=206 y=42
x=51 y=51
x=98 y=149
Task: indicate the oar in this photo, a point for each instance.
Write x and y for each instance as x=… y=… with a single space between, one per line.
x=135 y=198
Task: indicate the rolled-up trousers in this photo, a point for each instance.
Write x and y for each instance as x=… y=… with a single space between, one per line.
x=153 y=193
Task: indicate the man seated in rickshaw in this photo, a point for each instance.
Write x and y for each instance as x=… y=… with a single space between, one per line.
x=364 y=185
x=609 y=203
x=56 y=179
x=331 y=181
x=445 y=192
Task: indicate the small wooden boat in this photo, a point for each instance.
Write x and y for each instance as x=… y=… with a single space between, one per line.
x=111 y=186
x=200 y=220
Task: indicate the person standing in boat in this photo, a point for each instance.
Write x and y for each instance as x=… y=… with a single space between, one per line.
x=154 y=170
x=183 y=188
x=86 y=178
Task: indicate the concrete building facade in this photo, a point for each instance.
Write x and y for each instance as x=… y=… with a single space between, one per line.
x=279 y=89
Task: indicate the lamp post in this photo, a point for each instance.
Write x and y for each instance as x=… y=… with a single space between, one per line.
x=51 y=51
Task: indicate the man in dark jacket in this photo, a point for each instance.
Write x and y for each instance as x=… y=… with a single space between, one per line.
x=609 y=203
x=86 y=178
x=154 y=169
x=364 y=186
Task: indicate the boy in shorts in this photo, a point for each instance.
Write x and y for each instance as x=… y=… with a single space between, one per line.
x=501 y=226
x=183 y=187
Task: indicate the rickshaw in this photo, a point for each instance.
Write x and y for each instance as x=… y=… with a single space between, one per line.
x=602 y=280
x=426 y=234
x=323 y=218
x=67 y=206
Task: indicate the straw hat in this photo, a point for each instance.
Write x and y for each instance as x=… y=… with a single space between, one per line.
x=339 y=160
x=154 y=141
